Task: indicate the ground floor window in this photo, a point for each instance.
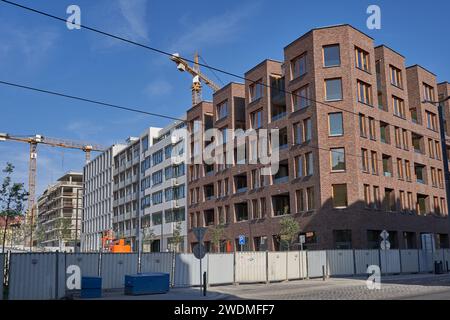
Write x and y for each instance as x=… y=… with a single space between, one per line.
x=342 y=239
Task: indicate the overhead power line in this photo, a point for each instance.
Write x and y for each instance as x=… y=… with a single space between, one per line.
x=100 y=103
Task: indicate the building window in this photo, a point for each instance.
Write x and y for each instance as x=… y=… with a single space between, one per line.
x=339 y=195
x=396 y=77
x=422 y=204
x=365 y=160
x=399 y=107
x=298 y=66
x=335 y=124
x=309 y=166
x=333 y=89
x=157 y=157
x=384 y=133
x=331 y=56
x=387 y=165
x=342 y=239
x=301 y=98
x=431 y=121
x=256 y=90
x=362 y=59
x=307 y=129
x=389 y=198
x=428 y=92
x=299 y=167
x=376 y=197
x=222 y=110
x=420 y=172
x=362 y=125
x=310 y=198
x=144 y=143
x=337 y=159
x=298 y=134
x=364 y=93
x=372 y=129
x=256 y=118
x=400 y=169
x=300 y=200
x=407 y=170
x=367 y=196
x=374 y=160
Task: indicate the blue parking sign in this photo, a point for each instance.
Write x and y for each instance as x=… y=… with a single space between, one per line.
x=241 y=240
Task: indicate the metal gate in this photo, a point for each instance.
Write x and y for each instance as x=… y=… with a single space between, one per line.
x=366 y=258
x=317 y=261
x=340 y=262
x=220 y=268
x=251 y=267
x=114 y=268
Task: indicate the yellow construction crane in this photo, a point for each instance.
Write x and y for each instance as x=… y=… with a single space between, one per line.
x=34 y=141
x=197 y=77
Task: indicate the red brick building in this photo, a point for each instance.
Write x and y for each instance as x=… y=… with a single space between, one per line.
x=358 y=150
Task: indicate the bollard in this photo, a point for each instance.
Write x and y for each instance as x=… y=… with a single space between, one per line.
x=323 y=273
x=204 y=283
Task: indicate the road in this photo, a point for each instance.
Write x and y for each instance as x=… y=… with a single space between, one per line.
x=416 y=286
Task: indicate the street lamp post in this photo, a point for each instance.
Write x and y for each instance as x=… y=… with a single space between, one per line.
x=76 y=222
x=440 y=106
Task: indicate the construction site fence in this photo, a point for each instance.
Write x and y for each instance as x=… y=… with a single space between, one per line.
x=44 y=276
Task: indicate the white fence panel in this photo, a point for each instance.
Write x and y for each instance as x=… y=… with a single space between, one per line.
x=296 y=265
x=88 y=263
x=446 y=259
x=316 y=260
x=2 y=273
x=365 y=258
x=220 y=268
x=390 y=261
x=340 y=262
x=251 y=267
x=157 y=262
x=32 y=276
x=114 y=268
x=425 y=261
x=277 y=262
x=187 y=270
x=438 y=255
x=410 y=260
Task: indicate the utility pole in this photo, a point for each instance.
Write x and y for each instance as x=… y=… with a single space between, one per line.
x=440 y=106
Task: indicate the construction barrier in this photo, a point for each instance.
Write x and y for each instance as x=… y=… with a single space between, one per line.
x=317 y=263
x=390 y=261
x=114 y=267
x=187 y=270
x=220 y=268
x=36 y=276
x=251 y=267
x=366 y=258
x=2 y=273
x=340 y=262
x=425 y=261
x=409 y=261
x=43 y=275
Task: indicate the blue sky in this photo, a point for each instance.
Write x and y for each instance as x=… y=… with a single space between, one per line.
x=232 y=35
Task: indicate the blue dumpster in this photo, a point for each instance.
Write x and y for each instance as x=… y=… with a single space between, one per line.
x=146 y=283
x=91 y=287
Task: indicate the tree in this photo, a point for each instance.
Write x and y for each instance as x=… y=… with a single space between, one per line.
x=63 y=230
x=12 y=198
x=288 y=231
x=148 y=235
x=217 y=234
x=177 y=237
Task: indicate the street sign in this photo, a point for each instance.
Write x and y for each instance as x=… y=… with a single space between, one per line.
x=199 y=251
x=241 y=240
x=199 y=233
x=385 y=245
x=302 y=239
x=384 y=235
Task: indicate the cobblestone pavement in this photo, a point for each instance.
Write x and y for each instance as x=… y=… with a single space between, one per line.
x=415 y=286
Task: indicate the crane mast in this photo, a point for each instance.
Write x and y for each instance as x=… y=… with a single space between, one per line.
x=33 y=141
x=197 y=77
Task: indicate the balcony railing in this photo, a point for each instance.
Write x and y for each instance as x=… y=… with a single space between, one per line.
x=279 y=116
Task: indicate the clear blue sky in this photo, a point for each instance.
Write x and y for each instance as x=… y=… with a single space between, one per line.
x=233 y=35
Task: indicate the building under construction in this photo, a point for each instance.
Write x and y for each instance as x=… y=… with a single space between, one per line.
x=59 y=212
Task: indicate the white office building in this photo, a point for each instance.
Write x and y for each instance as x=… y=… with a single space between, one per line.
x=97 y=199
x=149 y=191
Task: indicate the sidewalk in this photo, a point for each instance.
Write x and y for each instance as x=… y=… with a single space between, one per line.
x=173 y=294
